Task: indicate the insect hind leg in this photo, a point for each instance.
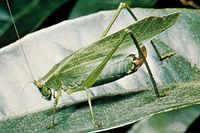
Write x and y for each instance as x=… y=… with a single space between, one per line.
x=119 y=9
x=165 y=56
x=125 y=6
x=145 y=62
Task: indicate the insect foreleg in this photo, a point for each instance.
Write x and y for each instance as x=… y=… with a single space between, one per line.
x=59 y=92
x=145 y=62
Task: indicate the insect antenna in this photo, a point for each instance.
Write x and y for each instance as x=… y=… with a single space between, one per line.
x=18 y=37
x=29 y=82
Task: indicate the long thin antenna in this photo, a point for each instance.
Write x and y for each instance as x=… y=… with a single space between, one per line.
x=19 y=39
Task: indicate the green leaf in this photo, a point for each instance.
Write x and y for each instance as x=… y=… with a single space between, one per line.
x=115 y=110
x=111 y=111
x=28 y=16
x=176 y=121
x=84 y=8
x=4 y=16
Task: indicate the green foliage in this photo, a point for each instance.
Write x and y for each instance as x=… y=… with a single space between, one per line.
x=28 y=16
x=111 y=111
x=83 y=8
x=176 y=121
x=4 y=16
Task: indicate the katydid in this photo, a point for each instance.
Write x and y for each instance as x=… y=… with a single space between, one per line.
x=65 y=76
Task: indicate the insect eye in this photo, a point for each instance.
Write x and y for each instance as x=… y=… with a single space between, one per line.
x=40 y=85
x=46 y=93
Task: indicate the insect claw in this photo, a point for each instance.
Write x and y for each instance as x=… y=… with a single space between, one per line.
x=168 y=55
x=97 y=125
x=50 y=126
x=163 y=94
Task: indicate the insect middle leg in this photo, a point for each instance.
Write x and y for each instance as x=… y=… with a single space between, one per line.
x=91 y=79
x=91 y=110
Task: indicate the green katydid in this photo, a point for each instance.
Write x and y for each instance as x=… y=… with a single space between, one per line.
x=69 y=78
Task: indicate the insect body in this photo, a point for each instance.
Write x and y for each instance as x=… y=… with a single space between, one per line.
x=90 y=66
x=72 y=77
x=117 y=70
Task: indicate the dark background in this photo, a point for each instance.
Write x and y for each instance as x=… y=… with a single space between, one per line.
x=67 y=7
x=50 y=12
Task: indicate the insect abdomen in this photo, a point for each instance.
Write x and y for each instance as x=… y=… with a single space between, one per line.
x=116 y=70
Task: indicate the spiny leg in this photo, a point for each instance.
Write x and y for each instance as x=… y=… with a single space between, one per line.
x=91 y=79
x=141 y=50
x=145 y=62
x=119 y=9
x=91 y=110
x=125 y=6
x=167 y=55
x=55 y=105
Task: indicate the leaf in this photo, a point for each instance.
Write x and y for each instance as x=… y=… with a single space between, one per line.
x=28 y=16
x=3 y=15
x=176 y=121
x=84 y=8
x=111 y=111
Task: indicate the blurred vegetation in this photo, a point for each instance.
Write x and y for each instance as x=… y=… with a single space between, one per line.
x=32 y=15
